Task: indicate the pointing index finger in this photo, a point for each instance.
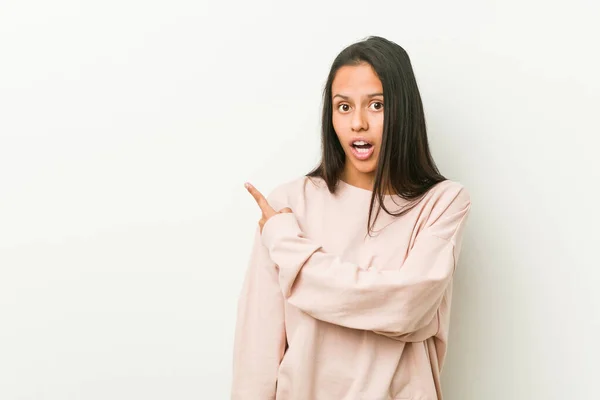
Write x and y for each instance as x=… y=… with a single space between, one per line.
x=260 y=199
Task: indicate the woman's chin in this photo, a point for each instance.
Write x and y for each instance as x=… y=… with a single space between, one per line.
x=363 y=167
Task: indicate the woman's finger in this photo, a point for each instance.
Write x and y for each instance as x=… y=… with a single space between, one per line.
x=260 y=200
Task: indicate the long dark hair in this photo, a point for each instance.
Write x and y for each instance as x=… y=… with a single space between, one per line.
x=405 y=164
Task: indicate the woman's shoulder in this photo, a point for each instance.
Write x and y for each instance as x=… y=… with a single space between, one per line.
x=446 y=201
x=449 y=191
x=286 y=192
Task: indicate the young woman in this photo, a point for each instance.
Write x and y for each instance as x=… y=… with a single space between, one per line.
x=342 y=301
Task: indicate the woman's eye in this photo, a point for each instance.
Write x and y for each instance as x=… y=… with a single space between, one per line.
x=344 y=107
x=377 y=105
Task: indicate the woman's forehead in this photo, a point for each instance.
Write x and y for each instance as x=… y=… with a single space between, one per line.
x=356 y=80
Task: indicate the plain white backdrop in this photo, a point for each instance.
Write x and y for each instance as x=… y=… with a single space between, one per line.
x=127 y=130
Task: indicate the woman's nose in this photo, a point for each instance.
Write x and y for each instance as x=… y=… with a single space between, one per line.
x=359 y=121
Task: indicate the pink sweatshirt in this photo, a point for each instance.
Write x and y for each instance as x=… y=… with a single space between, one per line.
x=328 y=313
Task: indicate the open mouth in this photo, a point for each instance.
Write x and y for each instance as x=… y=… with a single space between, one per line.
x=362 y=150
x=362 y=146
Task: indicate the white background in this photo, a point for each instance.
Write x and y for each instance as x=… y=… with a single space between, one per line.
x=127 y=130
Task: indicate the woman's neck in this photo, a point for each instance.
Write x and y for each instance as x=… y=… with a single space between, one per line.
x=358 y=179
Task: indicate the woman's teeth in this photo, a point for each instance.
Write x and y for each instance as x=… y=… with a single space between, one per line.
x=362 y=150
x=361 y=147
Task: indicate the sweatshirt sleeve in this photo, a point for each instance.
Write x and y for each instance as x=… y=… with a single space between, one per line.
x=260 y=338
x=395 y=302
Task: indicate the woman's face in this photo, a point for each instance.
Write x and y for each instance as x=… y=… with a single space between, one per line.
x=357 y=100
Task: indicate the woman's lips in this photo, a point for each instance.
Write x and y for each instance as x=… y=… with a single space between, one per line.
x=362 y=154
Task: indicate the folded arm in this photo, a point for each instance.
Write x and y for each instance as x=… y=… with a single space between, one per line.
x=393 y=302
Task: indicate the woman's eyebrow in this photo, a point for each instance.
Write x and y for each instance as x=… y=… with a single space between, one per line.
x=347 y=98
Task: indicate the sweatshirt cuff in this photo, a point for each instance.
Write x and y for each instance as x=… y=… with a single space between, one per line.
x=278 y=226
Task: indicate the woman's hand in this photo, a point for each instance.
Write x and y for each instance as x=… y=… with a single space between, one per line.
x=267 y=210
